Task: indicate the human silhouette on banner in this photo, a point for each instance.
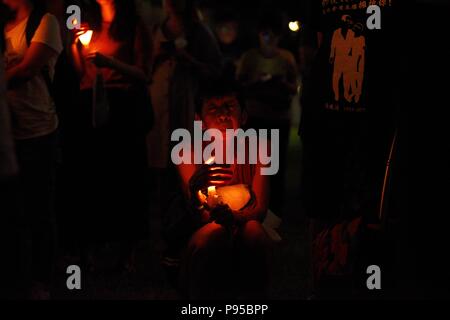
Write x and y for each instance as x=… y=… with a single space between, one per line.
x=347 y=56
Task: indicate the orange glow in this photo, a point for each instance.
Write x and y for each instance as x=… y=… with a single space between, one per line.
x=236 y=196
x=213 y=198
x=86 y=37
x=211 y=191
x=201 y=196
x=74 y=22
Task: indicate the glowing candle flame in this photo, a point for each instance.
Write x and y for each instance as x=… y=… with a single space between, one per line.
x=86 y=37
x=211 y=190
x=210 y=160
x=213 y=198
x=294 y=26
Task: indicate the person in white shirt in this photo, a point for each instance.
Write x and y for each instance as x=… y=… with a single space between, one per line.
x=29 y=65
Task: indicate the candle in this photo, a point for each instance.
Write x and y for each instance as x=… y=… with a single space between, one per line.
x=86 y=37
x=211 y=191
x=213 y=198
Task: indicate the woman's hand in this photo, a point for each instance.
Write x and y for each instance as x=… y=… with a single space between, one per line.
x=78 y=32
x=209 y=175
x=100 y=60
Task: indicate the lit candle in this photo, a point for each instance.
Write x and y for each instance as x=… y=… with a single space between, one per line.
x=86 y=37
x=211 y=191
x=213 y=197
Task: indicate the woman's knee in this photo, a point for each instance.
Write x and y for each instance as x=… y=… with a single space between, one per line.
x=210 y=237
x=254 y=236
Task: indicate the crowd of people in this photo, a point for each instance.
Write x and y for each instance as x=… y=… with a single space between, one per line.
x=92 y=111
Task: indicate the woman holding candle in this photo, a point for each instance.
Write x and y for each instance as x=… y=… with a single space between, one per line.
x=225 y=242
x=112 y=55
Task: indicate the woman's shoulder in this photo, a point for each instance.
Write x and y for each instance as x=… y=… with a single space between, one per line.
x=48 y=23
x=48 y=32
x=50 y=19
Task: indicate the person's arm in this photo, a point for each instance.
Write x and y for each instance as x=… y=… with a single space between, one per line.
x=290 y=82
x=196 y=178
x=140 y=70
x=45 y=45
x=291 y=86
x=8 y=163
x=102 y=61
x=37 y=56
x=261 y=190
x=243 y=70
x=77 y=61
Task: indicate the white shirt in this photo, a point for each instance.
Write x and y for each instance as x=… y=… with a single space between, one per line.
x=32 y=108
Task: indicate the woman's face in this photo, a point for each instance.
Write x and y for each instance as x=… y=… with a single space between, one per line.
x=267 y=39
x=227 y=32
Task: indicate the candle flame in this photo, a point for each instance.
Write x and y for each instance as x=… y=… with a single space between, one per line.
x=86 y=37
x=294 y=26
x=210 y=160
x=211 y=190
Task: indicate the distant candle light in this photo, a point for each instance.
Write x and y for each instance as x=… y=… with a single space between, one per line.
x=294 y=26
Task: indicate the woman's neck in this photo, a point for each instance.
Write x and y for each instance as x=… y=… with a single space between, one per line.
x=108 y=12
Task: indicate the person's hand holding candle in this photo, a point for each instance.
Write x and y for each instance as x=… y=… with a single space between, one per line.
x=86 y=37
x=207 y=178
x=100 y=60
x=82 y=35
